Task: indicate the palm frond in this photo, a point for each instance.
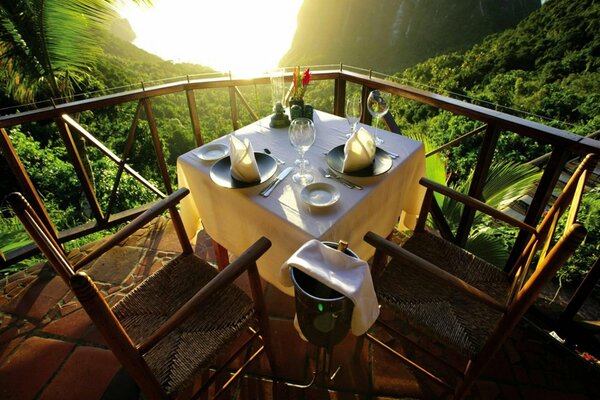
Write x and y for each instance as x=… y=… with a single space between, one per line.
x=488 y=246
x=508 y=181
x=51 y=44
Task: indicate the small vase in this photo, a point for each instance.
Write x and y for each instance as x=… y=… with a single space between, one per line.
x=296 y=107
x=297 y=101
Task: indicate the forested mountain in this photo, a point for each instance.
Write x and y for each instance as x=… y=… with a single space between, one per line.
x=548 y=66
x=390 y=35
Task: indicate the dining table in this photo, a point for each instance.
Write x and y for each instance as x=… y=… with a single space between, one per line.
x=236 y=217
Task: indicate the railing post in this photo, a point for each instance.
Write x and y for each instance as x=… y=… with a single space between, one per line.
x=366 y=115
x=27 y=187
x=339 y=97
x=578 y=298
x=191 y=100
x=84 y=179
x=235 y=116
x=390 y=122
x=160 y=156
x=481 y=170
x=552 y=172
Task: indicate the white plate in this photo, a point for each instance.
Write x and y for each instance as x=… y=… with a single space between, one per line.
x=212 y=151
x=320 y=194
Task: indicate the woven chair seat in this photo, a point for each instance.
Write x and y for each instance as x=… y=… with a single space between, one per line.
x=192 y=346
x=434 y=305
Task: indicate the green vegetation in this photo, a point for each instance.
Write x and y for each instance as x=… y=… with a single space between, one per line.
x=547 y=65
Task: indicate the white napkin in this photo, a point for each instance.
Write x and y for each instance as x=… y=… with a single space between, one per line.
x=359 y=151
x=243 y=163
x=348 y=275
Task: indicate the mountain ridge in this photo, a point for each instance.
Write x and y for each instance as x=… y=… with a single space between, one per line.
x=391 y=35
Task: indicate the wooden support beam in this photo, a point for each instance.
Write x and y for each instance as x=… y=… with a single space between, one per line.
x=235 y=115
x=122 y=163
x=339 y=97
x=246 y=104
x=160 y=156
x=582 y=293
x=191 y=100
x=366 y=116
x=26 y=186
x=479 y=176
x=84 y=179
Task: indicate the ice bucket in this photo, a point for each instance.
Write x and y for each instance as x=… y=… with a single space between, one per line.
x=324 y=314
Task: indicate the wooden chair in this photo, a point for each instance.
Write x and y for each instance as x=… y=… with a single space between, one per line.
x=460 y=300
x=173 y=325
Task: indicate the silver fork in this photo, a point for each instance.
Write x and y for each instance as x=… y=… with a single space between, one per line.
x=338 y=178
x=390 y=153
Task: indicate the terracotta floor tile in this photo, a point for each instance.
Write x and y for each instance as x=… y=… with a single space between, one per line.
x=279 y=304
x=31 y=366
x=75 y=325
x=354 y=373
x=486 y=390
x=93 y=367
x=38 y=298
x=7 y=347
x=390 y=375
x=116 y=265
x=290 y=352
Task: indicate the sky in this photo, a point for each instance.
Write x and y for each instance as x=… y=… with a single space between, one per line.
x=242 y=36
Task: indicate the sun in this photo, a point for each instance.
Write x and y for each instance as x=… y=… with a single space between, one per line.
x=241 y=36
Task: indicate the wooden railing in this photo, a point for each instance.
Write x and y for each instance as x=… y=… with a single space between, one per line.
x=564 y=144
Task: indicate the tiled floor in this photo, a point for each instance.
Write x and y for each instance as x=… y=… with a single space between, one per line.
x=50 y=350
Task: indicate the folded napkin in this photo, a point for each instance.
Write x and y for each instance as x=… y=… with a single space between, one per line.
x=359 y=151
x=243 y=163
x=348 y=275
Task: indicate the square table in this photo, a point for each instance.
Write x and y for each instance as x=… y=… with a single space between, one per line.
x=236 y=218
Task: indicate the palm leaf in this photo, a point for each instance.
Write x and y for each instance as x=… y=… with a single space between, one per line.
x=51 y=44
x=508 y=181
x=505 y=183
x=488 y=246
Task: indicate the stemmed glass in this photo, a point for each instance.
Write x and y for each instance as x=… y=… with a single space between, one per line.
x=353 y=113
x=302 y=135
x=378 y=105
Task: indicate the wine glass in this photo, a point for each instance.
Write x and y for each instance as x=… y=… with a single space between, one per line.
x=353 y=112
x=302 y=135
x=378 y=104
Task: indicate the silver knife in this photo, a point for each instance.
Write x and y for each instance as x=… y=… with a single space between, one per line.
x=280 y=177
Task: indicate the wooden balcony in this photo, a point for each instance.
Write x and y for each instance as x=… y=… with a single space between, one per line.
x=46 y=340
x=49 y=348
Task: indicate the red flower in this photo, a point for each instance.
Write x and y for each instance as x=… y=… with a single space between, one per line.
x=306 y=77
x=295 y=81
x=300 y=81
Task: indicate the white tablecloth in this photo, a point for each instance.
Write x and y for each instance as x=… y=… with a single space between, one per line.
x=236 y=218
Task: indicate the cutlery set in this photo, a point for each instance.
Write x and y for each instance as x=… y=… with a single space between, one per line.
x=331 y=175
x=267 y=191
x=326 y=173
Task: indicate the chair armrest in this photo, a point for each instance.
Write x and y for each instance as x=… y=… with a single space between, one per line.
x=137 y=223
x=223 y=278
x=396 y=251
x=476 y=204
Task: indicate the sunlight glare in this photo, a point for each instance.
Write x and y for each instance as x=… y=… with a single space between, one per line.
x=241 y=36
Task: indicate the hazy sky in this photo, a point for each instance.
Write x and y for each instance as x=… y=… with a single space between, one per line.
x=244 y=36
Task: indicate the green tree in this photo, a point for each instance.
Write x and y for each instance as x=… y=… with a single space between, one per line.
x=47 y=47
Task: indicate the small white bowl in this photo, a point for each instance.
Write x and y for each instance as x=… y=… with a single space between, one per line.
x=320 y=194
x=212 y=151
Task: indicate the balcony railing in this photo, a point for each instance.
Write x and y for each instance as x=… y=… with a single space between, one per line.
x=564 y=144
